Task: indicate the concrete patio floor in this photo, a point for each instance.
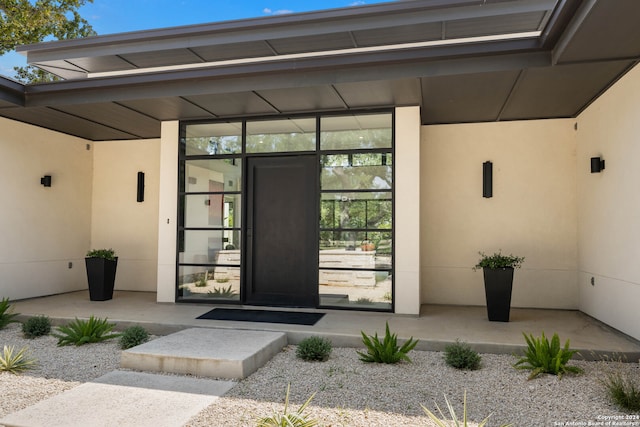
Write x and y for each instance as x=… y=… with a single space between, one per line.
x=435 y=327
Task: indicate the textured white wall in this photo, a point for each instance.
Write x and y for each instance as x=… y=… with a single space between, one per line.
x=609 y=207
x=118 y=220
x=532 y=212
x=43 y=229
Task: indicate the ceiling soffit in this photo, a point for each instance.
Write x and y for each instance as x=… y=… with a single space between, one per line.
x=557 y=75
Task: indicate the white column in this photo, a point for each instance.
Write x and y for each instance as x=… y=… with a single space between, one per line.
x=168 y=208
x=407 y=211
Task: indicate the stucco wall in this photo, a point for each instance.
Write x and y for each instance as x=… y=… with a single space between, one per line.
x=43 y=229
x=168 y=211
x=118 y=220
x=609 y=207
x=532 y=212
x=407 y=211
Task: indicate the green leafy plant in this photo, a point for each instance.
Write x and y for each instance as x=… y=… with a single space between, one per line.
x=498 y=260
x=15 y=362
x=133 y=336
x=387 y=350
x=442 y=422
x=201 y=281
x=314 y=348
x=623 y=392
x=289 y=419
x=460 y=356
x=109 y=254
x=222 y=292
x=364 y=301
x=81 y=332
x=542 y=356
x=36 y=327
x=222 y=280
x=6 y=313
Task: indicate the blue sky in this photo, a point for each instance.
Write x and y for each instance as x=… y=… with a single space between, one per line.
x=117 y=16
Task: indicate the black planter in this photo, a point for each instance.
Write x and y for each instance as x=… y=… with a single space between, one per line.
x=101 y=274
x=498 y=283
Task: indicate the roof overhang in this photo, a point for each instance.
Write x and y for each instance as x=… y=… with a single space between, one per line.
x=462 y=61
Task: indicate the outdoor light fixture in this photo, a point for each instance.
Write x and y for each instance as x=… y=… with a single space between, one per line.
x=487 y=179
x=140 y=197
x=46 y=180
x=597 y=165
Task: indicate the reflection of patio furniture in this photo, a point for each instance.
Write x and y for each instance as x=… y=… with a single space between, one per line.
x=342 y=258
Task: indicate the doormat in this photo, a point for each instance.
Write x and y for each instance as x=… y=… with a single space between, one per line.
x=266 y=316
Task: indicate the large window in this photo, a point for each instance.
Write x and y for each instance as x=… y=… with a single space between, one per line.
x=354 y=155
x=356 y=211
x=210 y=227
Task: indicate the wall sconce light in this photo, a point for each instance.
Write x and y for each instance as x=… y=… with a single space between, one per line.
x=46 y=180
x=487 y=179
x=207 y=202
x=597 y=165
x=140 y=197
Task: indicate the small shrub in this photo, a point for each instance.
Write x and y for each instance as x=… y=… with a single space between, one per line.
x=461 y=356
x=314 y=348
x=15 y=362
x=289 y=419
x=542 y=356
x=497 y=260
x=81 y=332
x=201 y=281
x=387 y=350
x=6 y=313
x=133 y=336
x=109 y=254
x=36 y=327
x=442 y=422
x=623 y=392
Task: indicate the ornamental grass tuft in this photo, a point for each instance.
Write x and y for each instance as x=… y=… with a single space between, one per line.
x=6 y=313
x=13 y=362
x=387 y=350
x=289 y=419
x=544 y=357
x=623 y=392
x=455 y=422
x=79 y=332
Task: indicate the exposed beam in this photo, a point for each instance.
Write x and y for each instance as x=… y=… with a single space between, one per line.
x=295 y=25
x=458 y=59
x=12 y=92
x=571 y=30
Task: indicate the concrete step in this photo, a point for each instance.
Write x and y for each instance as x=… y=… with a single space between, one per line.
x=125 y=399
x=215 y=353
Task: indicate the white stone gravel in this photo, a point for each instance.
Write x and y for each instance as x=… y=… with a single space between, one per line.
x=352 y=393
x=58 y=369
x=348 y=392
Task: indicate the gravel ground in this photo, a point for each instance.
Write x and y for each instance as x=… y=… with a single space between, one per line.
x=349 y=392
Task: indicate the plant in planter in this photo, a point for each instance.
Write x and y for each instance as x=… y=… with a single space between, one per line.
x=101 y=273
x=498 y=282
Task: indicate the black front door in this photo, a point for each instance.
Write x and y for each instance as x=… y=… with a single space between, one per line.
x=282 y=236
